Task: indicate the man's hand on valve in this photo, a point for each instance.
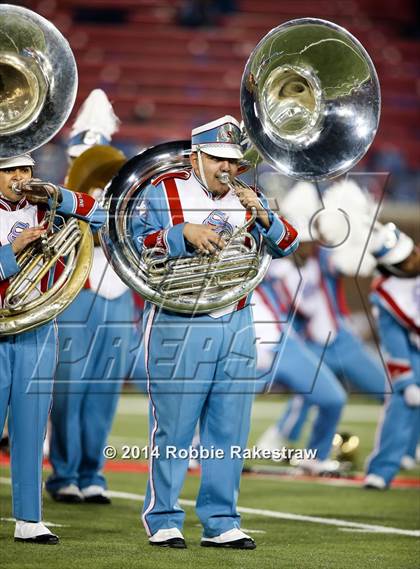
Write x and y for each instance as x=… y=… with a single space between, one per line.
x=203 y=238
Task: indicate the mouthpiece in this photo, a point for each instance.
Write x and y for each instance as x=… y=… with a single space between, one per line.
x=17 y=188
x=224 y=178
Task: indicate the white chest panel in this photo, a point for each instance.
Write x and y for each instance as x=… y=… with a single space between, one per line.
x=103 y=279
x=197 y=205
x=405 y=293
x=12 y=223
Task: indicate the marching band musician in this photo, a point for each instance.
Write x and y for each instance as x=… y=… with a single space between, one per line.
x=29 y=358
x=95 y=333
x=395 y=298
x=321 y=312
x=201 y=367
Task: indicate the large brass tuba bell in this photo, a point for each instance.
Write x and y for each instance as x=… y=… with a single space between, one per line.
x=38 y=80
x=38 y=84
x=310 y=99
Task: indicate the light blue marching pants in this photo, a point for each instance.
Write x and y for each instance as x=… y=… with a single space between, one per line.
x=414 y=442
x=297 y=368
x=27 y=366
x=199 y=369
x=346 y=356
x=395 y=430
x=95 y=338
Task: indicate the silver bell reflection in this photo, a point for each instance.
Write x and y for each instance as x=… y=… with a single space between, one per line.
x=38 y=80
x=310 y=99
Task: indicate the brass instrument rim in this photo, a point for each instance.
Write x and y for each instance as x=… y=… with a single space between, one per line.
x=12 y=322
x=36 y=84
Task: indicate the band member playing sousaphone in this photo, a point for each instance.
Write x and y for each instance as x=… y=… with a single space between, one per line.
x=28 y=358
x=45 y=246
x=202 y=367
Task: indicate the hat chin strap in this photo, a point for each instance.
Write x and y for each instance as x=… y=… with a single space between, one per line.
x=201 y=169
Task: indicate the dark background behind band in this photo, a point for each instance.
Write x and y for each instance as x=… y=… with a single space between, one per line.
x=170 y=65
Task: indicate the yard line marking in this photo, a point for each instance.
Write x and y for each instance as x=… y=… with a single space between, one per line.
x=51 y=524
x=287 y=516
x=354 y=530
x=274 y=514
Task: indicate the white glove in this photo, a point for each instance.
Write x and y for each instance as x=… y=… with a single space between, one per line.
x=412 y=395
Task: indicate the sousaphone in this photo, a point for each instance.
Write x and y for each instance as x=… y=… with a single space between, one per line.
x=38 y=85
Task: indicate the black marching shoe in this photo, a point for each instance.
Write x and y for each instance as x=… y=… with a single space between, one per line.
x=34 y=532
x=168 y=538
x=232 y=539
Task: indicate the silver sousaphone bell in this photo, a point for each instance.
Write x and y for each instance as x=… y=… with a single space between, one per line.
x=38 y=80
x=310 y=99
x=38 y=85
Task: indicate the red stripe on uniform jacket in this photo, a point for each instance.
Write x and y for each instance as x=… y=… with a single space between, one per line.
x=3 y=288
x=398 y=368
x=248 y=215
x=289 y=236
x=242 y=302
x=341 y=298
x=84 y=204
x=40 y=212
x=175 y=207
x=182 y=175
x=404 y=318
x=156 y=239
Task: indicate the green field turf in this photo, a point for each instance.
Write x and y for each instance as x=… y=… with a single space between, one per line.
x=112 y=536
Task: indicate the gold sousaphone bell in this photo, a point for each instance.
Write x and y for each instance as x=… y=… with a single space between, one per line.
x=38 y=85
x=94 y=168
x=91 y=171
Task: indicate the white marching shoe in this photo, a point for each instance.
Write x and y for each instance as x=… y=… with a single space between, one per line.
x=171 y=537
x=408 y=462
x=270 y=440
x=69 y=494
x=316 y=467
x=95 y=494
x=233 y=539
x=374 y=482
x=34 y=532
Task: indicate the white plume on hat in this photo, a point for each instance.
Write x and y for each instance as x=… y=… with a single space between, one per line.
x=16 y=161
x=299 y=206
x=345 y=223
x=95 y=123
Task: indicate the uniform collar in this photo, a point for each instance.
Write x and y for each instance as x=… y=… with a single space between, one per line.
x=8 y=205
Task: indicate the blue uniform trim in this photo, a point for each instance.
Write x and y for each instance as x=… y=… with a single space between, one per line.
x=8 y=264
